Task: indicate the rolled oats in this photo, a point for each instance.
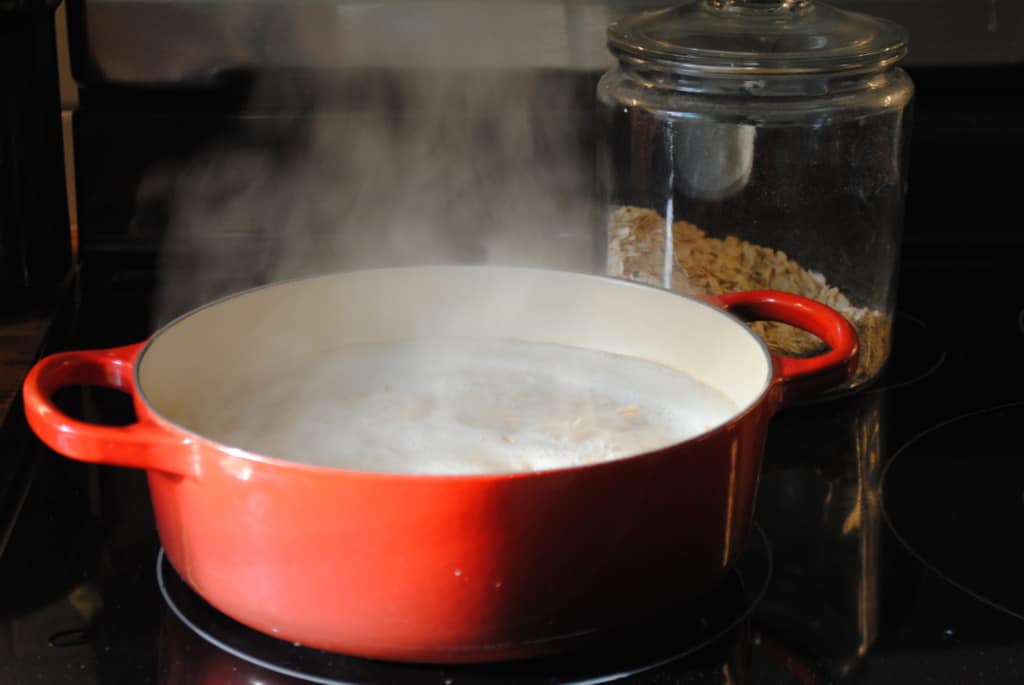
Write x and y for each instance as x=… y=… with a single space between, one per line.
x=705 y=266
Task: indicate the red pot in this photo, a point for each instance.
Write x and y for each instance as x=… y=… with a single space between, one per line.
x=444 y=568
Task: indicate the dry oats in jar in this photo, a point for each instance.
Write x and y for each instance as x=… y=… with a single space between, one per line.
x=702 y=265
x=761 y=144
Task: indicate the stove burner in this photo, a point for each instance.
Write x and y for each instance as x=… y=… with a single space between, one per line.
x=952 y=497
x=915 y=354
x=719 y=617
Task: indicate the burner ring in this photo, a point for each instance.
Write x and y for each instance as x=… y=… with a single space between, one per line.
x=586 y=665
x=901 y=371
x=927 y=541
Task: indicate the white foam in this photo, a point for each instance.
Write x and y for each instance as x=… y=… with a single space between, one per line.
x=460 y=406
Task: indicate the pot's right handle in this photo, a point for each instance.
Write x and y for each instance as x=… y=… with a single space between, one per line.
x=801 y=378
x=143 y=444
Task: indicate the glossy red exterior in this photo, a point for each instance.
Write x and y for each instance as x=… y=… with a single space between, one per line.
x=445 y=568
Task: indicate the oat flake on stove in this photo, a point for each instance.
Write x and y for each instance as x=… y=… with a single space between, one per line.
x=703 y=266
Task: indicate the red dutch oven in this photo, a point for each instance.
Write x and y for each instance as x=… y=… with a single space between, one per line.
x=439 y=568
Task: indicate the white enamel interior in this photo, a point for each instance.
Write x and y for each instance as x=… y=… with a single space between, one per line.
x=200 y=360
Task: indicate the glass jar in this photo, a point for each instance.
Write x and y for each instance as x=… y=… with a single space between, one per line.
x=761 y=144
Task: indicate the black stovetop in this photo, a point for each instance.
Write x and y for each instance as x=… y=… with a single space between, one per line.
x=888 y=545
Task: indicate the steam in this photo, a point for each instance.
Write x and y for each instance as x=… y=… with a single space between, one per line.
x=431 y=167
x=384 y=167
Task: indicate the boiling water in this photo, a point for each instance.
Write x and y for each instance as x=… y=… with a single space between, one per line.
x=461 y=406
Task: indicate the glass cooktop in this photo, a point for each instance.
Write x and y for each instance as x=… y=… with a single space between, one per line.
x=887 y=549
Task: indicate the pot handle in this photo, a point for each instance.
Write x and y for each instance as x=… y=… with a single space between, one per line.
x=800 y=378
x=143 y=444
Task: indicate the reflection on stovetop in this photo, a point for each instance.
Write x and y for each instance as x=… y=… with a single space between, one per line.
x=187 y=659
x=848 y=601
x=194 y=661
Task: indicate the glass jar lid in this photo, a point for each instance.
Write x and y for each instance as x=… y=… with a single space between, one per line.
x=758 y=38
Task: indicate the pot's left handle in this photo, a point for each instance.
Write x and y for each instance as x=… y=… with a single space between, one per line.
x=800 y=378
x=143 y=444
